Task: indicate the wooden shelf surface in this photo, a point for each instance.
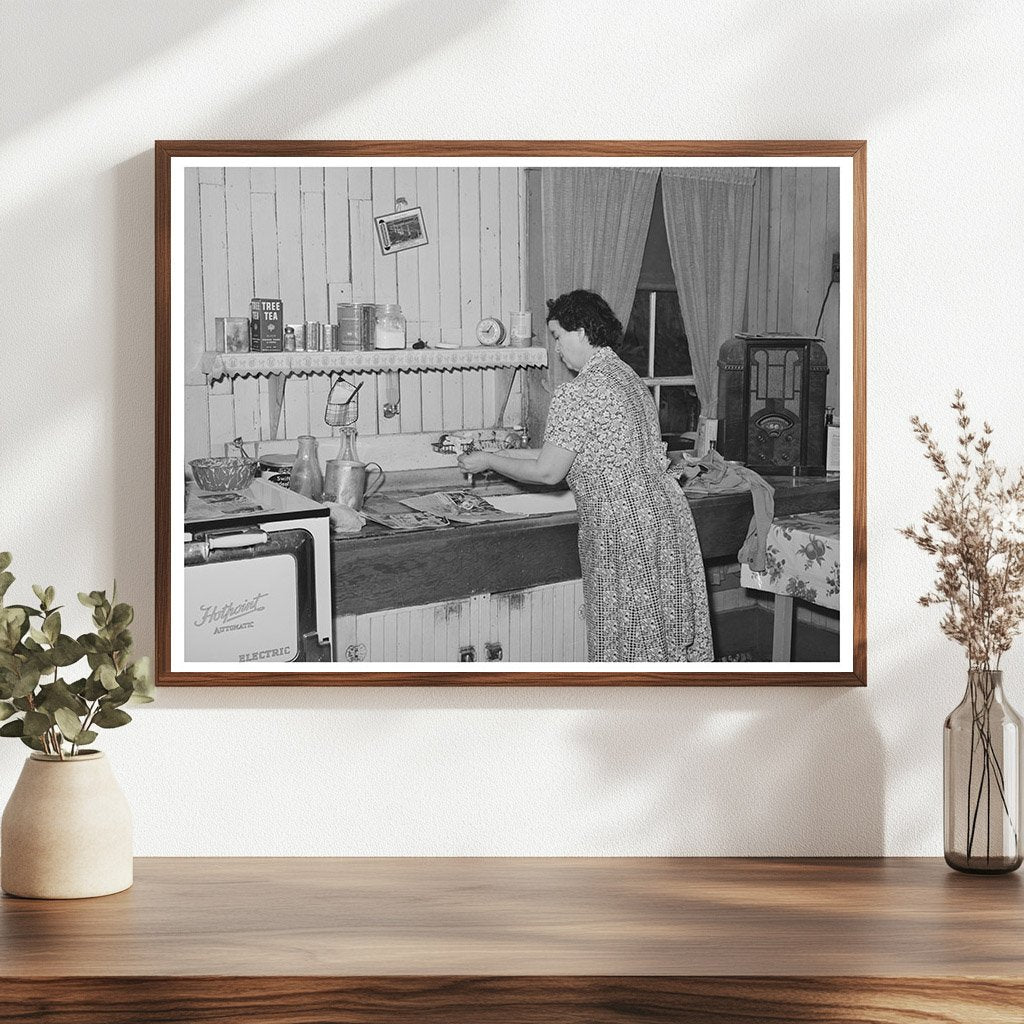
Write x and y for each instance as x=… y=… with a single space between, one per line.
x=577 y=939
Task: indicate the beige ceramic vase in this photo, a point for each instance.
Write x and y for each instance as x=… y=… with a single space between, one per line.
x=66 y=831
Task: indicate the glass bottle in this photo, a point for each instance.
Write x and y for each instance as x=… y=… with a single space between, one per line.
x=347 y=446
x=307 y=478
x=981 y=778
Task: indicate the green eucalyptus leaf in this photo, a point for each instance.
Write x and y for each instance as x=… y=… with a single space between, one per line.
x=22 y=703
x=69 y=724
x=36 y=723
x=86 y=736
x=14 y=728
x=115 y=698
x=122 y=615
x=6 y=579
x=39 y=636
x=67 y=651
x=6 y=710
x=13 y=624
x=9 y=663
x=59 y=695
x=29 y=611
x=31 y=741
x=94 y=644
x=51 y=626
x=142 y=678
x=40 y=593
x=107 y=676
x=89 y=600
x=94 y=689
x=111 y=718
x=50 y=595
x=5 y=559
x=27 y=682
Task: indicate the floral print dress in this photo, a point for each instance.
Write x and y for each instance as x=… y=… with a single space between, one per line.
x=643 y=574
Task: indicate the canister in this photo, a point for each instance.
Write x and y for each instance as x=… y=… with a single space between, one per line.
x=390 y=327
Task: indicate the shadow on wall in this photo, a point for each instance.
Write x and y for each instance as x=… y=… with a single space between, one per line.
x=681 y=777
x=394 y=39
x=813 y=73
x=77 y=47
x=131 y=411
x=744 y=771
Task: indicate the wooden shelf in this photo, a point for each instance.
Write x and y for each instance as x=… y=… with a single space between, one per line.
x=217 y=365
x=488 y=940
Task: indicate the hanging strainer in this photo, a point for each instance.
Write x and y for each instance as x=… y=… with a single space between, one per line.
x=342 y=403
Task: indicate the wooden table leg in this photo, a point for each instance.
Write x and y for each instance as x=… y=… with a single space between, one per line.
x=782 y=631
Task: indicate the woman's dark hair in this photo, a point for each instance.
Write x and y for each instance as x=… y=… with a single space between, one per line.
x=588 y=310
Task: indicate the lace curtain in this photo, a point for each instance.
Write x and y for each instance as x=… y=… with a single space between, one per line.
x=595 y=222
x=709 y=213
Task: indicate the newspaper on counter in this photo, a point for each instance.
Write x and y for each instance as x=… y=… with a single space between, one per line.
x=396 y=516
x=460 y=507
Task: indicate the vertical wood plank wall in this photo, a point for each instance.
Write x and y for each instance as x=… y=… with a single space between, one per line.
x=795 y=233
x=306 y=236
x=541 y=624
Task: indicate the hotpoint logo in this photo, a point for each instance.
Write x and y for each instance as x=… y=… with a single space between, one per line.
x=225 y=617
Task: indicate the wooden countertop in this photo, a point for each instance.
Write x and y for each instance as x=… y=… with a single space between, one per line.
x=525 y=939
x=379 y=568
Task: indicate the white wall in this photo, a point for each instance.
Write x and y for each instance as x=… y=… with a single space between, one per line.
x=937 y=88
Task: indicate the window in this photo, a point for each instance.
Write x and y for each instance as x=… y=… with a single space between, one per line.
x=654 y=343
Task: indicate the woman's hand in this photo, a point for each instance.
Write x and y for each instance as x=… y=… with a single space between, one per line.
x=475 y=462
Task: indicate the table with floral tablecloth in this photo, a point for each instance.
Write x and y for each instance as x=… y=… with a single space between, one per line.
x=802 y=560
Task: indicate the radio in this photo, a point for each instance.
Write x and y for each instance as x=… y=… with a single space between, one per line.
x=771 y=402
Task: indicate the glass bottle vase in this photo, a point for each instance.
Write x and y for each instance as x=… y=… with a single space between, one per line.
x=307 y=477
x=981 y=773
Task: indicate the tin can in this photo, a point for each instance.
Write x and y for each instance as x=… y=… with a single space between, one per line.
x=368 y=321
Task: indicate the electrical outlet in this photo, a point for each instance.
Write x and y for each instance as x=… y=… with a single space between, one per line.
x=835 y=268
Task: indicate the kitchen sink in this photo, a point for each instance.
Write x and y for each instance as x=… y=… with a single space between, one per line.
x=428 y=481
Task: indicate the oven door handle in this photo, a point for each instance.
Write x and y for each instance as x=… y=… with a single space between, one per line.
x=197 y=552
x=237 y=540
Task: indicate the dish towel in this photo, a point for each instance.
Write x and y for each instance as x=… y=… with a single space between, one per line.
x=712 y=474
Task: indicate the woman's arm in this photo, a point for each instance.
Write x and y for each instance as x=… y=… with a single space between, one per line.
x=548 y=466
x=520 y=453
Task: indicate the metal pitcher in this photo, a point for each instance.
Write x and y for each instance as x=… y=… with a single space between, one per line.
x=352 y=482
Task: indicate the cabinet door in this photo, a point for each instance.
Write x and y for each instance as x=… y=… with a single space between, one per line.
x=541 y=624
x=423 y=633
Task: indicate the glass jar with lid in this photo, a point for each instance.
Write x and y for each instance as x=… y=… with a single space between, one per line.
x=390 y=330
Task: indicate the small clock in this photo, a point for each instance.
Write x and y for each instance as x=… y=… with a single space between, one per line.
x=490 y=331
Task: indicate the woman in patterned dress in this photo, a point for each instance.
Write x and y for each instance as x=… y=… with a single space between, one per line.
x=643 y=574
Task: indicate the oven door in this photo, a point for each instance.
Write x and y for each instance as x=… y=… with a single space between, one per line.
x=250 y=596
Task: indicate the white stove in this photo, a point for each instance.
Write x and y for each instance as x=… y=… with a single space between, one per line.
x=257 y=576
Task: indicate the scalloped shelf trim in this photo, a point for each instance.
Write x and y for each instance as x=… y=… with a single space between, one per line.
x=217 y=365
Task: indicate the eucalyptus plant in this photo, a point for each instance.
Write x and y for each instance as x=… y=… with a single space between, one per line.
x=46 y=712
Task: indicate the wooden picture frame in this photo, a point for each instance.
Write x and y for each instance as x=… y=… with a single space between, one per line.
x=194 y=385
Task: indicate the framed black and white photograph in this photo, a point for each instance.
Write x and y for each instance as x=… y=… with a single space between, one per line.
x=401 y=230
x=541 y=413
